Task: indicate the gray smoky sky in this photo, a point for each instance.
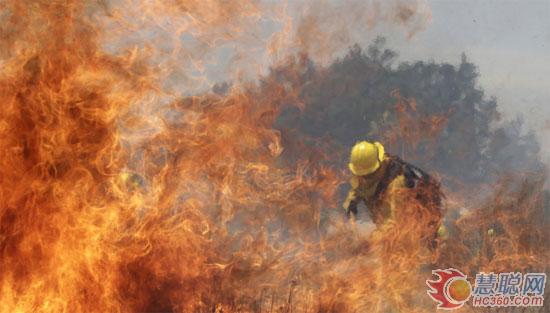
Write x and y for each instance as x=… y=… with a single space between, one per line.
x=509 y=40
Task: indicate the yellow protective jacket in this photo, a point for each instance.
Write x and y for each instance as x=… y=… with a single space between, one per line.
x=394 y=185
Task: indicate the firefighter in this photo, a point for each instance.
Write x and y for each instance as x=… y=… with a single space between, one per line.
x=383 y=182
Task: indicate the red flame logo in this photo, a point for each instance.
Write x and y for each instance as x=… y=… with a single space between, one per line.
x=450 y=283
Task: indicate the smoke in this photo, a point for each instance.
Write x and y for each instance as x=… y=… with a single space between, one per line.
x=326 y=27
x=192 y=45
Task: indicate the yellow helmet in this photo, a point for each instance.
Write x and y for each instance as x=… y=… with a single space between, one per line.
x=366 y=157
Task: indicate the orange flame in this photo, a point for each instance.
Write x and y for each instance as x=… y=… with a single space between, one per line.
x=118 y=194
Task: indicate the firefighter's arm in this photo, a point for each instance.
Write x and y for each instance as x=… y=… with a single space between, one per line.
x=352 y=200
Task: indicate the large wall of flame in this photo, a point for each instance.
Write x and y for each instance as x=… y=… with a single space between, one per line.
x=119 y=195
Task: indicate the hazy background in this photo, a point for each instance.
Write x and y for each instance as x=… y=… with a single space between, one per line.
x=508 y=40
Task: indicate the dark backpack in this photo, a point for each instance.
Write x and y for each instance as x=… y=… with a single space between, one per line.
x=429 y=189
